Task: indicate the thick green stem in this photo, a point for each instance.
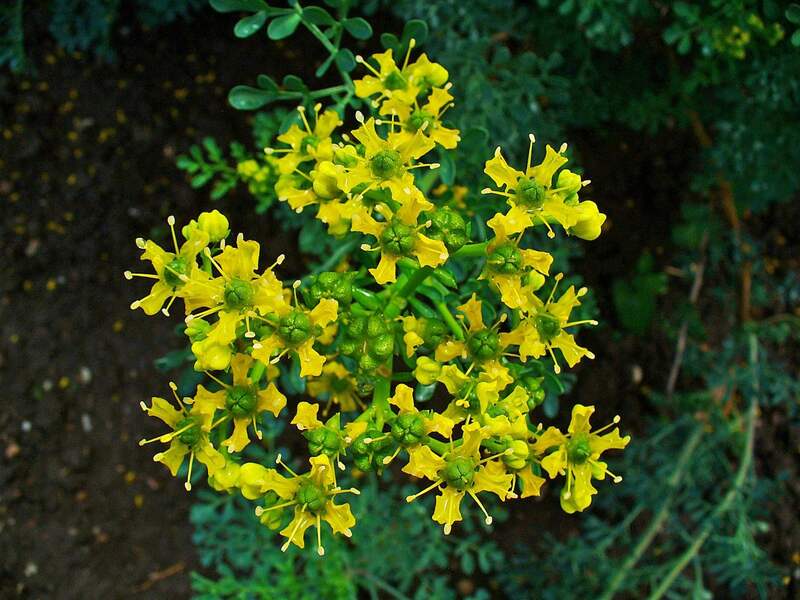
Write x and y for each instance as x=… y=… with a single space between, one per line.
x=450 y=320
x=471 y=250
x=441 y=448
x=259 y=368
x=328 y=91
x=380 y=400
x=733 y=492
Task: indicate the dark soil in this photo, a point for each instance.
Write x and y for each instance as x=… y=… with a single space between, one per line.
x=87 y=165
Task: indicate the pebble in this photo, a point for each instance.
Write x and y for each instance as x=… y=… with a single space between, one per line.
x=31 y=569
x=85 y=375
x=26 y=426
x=86 y=423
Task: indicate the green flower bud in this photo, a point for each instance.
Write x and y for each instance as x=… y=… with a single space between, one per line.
x=271 y=518
x=449 y=227
x=398 y=238
x=310 y=141
x=241 y=400
x=547 y=326
x=312 y=496
x=347 y=156
x=193 y=433
x=433 y=332
x=530 y=193
x=394 y=81
x=295 y=328
x=506 y=259
x=323 y=440
x=417 y=119
x=238 y=294
x=536 y=393
x=459 y=472
x=386 y=164
x=570 y=184
x=578 y=450
x=197 y=330
x=408 y=429
x=338 y=286
x=173 y=270
x=363 y=462
x=518 y=457
x=215 y=224
x=484 y=344
x=367 y=362
x=376 y=325
x=381 y=346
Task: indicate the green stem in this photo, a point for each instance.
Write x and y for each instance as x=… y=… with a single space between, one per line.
x=381 y=585
x=413 y=282
x=441 y=448
x=450 y=320
x=471 y=250
x=258 y=372
x=328 y=91
x=380 y=400
x=659 y=518
x=733 y=492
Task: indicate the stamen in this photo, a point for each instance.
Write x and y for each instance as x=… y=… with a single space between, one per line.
x=171 y=223
x=390 y=458
x=140 y=243
x=584 y=322
x=320 y=549
x=259 y=435
x=219 y=381
x=289 y=540
x=165 y=310
x=128 y=275
x=360 y=60
x=614 y=421
x=487 y=190
x=260 y=510
x=411 y=43
x=302 y=110
x=174 y=389
x=435 y=484
x=532 y=138
x=360 y=117
x=556 y=367
x=205 y=313
x=563 y=148
x=207 y=252
x=558 y=278
x=188 y=484
x=279 y=461
x=487 y=519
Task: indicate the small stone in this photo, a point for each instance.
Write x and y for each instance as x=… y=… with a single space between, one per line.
x=31 y=569
x=26 y=426
x=12 y=450
x=86 y=423
x=85 y=375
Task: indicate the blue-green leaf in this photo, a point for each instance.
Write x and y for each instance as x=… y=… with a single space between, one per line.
x=244 y=97
x=283 y=27
x=359 y=28
x=226 y=6
x=249 y=25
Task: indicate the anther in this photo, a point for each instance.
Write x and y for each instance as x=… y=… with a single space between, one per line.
x=171 y=220
x=360 y=117
x=140 y=243
x=532 y=138
x=128 y=275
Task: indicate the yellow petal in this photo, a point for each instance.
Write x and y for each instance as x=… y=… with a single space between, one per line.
x=550 y=438
x=570 y=349
x=543 y=173
x=326 y=123
x=448 y=350
x=427 y=370
x=535 y=259
x=501 y=173
x=448 y=508
x=339 y=517
x=267 y=347
x=210 y=457
x=473 y=310
x=173 y=456
x=322 y=471
x=439 y=424
x=306 y=417
x=162 y=409
x=403 y=399
x=240 y=365
x=240 y=261
x=554 y=463
x=311 y=361
x=590 y=221
x=452 y=378
x=386 y=271
x=492 y=477
x=152 y=303
x=531 y=484
x=515 y=221
x=295 y=531
x=423 y=462
x=324 y=312
x=239 y=438
x=430 y=253
x=271 y=399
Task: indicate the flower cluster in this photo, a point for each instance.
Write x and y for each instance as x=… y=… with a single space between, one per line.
x=359 y=336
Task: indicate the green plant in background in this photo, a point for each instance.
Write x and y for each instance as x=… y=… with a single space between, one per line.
x=635 y=298
x=79 y=25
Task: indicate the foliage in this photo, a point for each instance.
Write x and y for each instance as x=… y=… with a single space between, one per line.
x=82 y=25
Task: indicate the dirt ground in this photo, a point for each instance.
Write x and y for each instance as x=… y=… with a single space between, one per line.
x=86 y=166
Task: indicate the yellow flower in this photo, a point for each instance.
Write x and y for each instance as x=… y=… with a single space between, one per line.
x=307 y=143
x=577 y=454
x=337 y=385
x=312 y=497
x=243 y=401
x=459 y=472
x=172 y=269
x=396 y=239
x=533 y=196
x=426 y=119
x=513 y=270
x=296 y=330
x=386 y=163
x=544 y=328
x=189 y=435
x=238 y=294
